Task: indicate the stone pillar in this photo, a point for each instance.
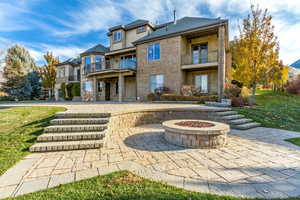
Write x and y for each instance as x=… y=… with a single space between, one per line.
x=56 y=94
x=94 y=89
x=121 y=86
x=221 y=61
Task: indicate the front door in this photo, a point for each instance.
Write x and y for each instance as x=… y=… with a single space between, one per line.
x=107 y=91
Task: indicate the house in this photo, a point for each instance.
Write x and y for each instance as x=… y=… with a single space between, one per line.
x=67 y=72
x=294 y=70
x=142 y=57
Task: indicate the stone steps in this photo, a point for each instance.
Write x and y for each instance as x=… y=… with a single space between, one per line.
x=66 y=145
x=239 y=121
x=231 y=117
x=79 y=121
x=247 y=125
x=71 y=136
x=226 y=113
x=74 y=128
x=70 y=115
x=73 y=131
x=216 y=104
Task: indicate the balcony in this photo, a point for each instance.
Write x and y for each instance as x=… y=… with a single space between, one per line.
x=73 y=78
x=127 y=64
x=92 y=68
x=200 y=60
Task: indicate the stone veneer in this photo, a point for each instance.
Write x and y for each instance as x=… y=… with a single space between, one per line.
x=195 y=137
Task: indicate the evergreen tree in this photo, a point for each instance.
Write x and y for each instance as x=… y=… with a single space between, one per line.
x=18 y=64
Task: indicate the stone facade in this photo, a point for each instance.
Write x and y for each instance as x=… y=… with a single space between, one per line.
x=169 y=65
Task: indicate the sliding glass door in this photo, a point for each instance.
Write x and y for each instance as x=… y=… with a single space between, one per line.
x=200 y=53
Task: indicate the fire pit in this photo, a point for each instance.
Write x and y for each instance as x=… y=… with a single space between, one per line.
x=196 y=133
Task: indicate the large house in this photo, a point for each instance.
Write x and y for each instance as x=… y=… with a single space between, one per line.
x=142 y=57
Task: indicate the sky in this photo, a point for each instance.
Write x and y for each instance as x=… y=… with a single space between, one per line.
x=68 y=27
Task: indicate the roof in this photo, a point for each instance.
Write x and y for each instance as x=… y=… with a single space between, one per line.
x=296 y=64
x=100 y=49
x=131 y=25
x=71 y=61
x=181 y=25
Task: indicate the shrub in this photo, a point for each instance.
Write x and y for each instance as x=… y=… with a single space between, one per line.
x=69 y=95
x=161 y=90
x=178 y=97
x=151 y=97
x=6 y=98
x=245 y=94
x=76 y=89
x=190 y=90
x=63 y=90
x=293 y=87
x=237 y=102
x=231 y=91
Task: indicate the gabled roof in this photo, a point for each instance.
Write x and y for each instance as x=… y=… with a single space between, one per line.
x=131 y=25
x=71 y=61
x=296 y=64
x=98 y=49
x=181 y=25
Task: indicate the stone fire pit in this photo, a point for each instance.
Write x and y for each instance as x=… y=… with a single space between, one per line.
x=196 y=133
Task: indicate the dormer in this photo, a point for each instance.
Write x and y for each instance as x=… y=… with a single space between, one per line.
x=122 y=36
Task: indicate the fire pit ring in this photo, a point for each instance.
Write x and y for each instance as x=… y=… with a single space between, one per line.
x=196 y=133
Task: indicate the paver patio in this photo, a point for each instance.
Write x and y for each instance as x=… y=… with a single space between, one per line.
x=255 y=163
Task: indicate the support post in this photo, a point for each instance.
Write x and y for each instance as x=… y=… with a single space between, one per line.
x=94 y=89
x=121 y=87
x=221 y=62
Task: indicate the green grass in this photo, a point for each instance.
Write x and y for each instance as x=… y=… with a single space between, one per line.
x=295 y=141
x=275 y=110
x=19 y=128
x=119 y=186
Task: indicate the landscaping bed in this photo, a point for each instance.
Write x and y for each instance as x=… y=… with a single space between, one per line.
x=20 y=127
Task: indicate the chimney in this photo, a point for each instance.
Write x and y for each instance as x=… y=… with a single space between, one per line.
x=174 y=15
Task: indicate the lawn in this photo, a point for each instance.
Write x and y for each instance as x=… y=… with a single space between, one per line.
x=275 y=110
x=19 y=128
x=119 y=186
x=295 y=141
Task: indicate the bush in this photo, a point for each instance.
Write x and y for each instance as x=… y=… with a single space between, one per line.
x=245 y=94
x=231 y=91
x=178 y=97
x=237 y=102
x=160 y=90
x=190 y=90
x=76 y=89
x=293 y=87
x=63 y=90
x=6 y=98
x=69 y=95
x=151 y=97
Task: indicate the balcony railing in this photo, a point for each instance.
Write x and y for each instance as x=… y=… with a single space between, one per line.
x=74 y=78
x=94 y=67
x=202 y=58
x=127 y=64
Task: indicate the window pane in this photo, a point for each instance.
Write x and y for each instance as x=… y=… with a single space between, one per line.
x=201 y=81
x=150 y=52
x=157 y=51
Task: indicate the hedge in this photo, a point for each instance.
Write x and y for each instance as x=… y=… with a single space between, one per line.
x=178 y=97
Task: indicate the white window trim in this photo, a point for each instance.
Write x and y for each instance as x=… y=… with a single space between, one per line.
x=153 y=52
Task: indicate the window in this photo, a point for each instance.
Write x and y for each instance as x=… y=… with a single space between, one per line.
x=98 y=61
x=117 y=88
x=87 y=86
x=201 y=81
x=87 y=64
x=154 y=51
x=117 y=36
x=141 y=29
x=200 y=53
x=100 y=85
x=156 y=81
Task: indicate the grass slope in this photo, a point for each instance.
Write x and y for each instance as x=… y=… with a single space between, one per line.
x=118 y=186
x=275 y=110
x=19 y=128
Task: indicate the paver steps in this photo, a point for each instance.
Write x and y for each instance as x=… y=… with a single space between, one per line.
x=73 y=131
x=236 y=120
x=73 y=121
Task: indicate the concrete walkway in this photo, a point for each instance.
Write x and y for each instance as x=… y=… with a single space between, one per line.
x=256 y=163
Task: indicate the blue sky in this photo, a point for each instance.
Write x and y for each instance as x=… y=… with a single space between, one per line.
x=68 y=27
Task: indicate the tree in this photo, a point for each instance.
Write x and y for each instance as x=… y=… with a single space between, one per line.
x=48 y=72
x=18 y=64
x=255 y=52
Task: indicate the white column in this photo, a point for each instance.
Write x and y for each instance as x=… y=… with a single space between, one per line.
x=221 y=61
x=94 y=89
x=121 y=87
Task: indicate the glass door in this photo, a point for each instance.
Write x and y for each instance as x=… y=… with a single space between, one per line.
x=200 y=53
